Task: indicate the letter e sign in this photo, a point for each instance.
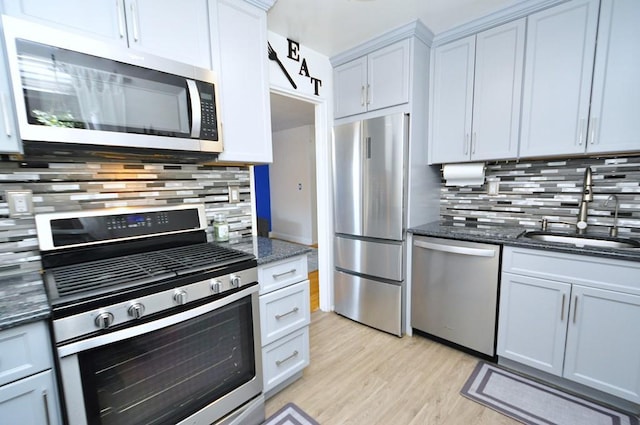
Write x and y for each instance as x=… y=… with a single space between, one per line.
x=293 y=54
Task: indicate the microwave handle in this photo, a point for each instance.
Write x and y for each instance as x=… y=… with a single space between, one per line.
x=196 y=109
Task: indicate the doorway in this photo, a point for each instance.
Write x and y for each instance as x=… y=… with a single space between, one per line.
x=286 y=198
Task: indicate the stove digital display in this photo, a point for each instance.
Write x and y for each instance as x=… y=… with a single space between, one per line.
x=136 y=220
x=71 y=231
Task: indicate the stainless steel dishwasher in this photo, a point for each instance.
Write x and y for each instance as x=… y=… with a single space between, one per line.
x=454 y=291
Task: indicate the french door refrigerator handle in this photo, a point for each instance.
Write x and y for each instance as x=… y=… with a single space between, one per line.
x=456 y=249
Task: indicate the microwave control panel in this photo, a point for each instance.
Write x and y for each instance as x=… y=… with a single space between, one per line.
x=209 y=125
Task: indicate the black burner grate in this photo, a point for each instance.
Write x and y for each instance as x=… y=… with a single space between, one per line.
x=137 y=269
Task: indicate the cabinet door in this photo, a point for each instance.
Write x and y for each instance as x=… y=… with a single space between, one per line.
x=241 y=29
x=177 y=30
x=497 y=91
x=603 y=348
x=452 y=99
x=9 y=142
x=557 y=78
x=103 y=19
x=614 y=124
x=388 y=76
x=30 y=401
x=532 y=325
x=350 y=80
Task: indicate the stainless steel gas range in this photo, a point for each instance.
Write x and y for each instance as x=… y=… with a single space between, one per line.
x=151 y=324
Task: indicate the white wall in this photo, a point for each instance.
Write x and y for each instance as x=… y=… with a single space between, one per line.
x=293 y=187
x=319 y=67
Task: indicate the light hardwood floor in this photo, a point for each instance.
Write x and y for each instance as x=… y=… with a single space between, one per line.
x=314 y=290
x=360 y=376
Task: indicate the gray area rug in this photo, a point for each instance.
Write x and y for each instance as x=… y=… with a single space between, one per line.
x=290 y=414
x=534 y=403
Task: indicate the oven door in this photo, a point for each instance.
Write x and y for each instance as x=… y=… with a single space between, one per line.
x=196 y=366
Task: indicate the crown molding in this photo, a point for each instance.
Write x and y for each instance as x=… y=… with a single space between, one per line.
x=509 y=13
x=262 y=4
x=413 y=29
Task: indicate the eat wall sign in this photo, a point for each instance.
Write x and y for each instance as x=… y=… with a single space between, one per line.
x=293 y=53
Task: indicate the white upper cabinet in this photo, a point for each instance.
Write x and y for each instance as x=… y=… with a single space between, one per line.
x=614 y=124
x=177 y=30
x=497 y=92
x=452 y=100
x=9 y=142
x=350 y=82
x=557 y=78
x=378 y=80
x=240 y=57
x=476 y=96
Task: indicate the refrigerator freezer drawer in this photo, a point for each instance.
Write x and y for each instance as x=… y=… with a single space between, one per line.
x=367 y=301
x=382 y=260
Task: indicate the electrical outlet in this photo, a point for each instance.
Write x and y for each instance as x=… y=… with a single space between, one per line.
x=234 y=194
x=20 y=203
x=493 y=187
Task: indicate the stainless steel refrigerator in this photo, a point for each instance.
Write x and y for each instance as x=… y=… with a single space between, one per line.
x=369 y=169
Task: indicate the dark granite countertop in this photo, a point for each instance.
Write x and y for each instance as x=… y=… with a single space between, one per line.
x=22 y=300
x=509 y=235
x=269 y=250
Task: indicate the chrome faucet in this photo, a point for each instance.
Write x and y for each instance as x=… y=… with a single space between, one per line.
x=613 y=232
x=587 y=196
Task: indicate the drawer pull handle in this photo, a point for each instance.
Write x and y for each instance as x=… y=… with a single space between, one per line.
x=293 y=355
x=46 y=406
x=280 y=316
x=562 y=308
x=278 y=275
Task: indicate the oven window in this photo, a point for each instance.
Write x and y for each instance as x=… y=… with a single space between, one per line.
x=169 y=374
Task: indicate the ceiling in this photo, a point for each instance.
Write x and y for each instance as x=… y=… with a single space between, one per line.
x=332 y=26
x=287 y=113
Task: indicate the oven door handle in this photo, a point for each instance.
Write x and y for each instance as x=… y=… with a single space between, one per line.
x=100 y=340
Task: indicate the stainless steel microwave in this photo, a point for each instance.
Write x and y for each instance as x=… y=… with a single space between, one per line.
x=71 y=89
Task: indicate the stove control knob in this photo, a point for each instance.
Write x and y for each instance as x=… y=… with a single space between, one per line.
x=216 y=286
x=180 y=297
x=235 y=281
x=104 y=320
x=136 y=310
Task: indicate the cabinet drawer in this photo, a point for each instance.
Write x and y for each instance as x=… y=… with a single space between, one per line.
x=285 y=357
x=282 y=273
x=24 y=350
x=284 y=311
x=600 y=272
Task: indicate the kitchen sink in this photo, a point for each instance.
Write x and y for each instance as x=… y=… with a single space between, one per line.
x=581 y=241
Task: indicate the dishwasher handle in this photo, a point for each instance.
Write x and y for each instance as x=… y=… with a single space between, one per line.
x=477 y=252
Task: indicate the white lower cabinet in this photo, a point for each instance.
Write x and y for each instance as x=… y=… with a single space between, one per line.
x=28 y=394
x=285 y=314
x=572 y=316
x=539 y=307
x=30 y=401
x=603 y=341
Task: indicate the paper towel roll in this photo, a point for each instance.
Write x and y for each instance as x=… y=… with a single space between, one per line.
x=463 y=174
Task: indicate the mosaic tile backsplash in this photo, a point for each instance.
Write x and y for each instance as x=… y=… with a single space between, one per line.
x=532 y=190
x=93 y=185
